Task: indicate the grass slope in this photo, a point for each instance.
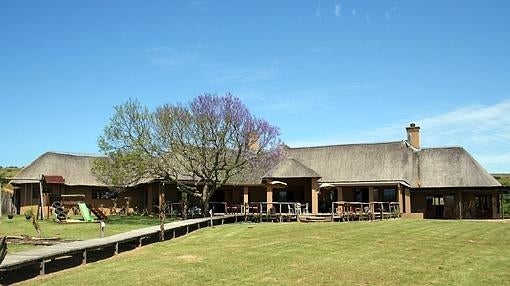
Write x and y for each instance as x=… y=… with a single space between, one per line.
x=504 y=179
x=8 y=172
x=421 y=252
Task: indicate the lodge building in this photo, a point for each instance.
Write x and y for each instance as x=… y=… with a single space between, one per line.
x=425 y=182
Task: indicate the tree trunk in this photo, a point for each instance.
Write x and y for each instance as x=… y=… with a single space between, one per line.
x=184 y=204
x=207 y=193
x=205 y=200
x=162 y=214
x=162 y=217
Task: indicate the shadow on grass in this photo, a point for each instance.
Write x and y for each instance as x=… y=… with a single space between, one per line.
x=135 y=220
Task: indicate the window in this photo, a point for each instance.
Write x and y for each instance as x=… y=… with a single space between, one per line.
x=389 y=195
x=435 y=201
x=482 y=202
x=438 y=201
x=430 y=201
x=281 y=196
x=103 y=194
x=35 y=192
x=449 y=200
x=361 y=195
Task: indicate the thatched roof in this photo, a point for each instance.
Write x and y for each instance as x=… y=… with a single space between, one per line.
x=357 y=162
x=342 y=164
x=291 y=168
x=393 y=161
x=76 y=169
x=452 y=167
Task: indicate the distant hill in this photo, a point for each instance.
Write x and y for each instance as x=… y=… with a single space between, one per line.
x=9 y=172
x=504 y=179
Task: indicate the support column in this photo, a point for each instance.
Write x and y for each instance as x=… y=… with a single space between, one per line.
x=502 y=211
x=315 y=196
x=41 y=198
x=84 y=257
x=245 y=195
x=371 y=199
x=269 y=196
x=42 y=267
x=494 y=199
x=149 y=199
x=458 y=195
x=339 y=194
x=400 y=200
x=161 y=195
x=407 y=201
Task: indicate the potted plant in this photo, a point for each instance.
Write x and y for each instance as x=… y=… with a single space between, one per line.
x=12 y=210
x=29 y=213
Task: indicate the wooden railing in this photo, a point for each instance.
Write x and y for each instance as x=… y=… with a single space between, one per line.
x=176 y=209
x=259 y=208
x=226 y=207
x=347 y=211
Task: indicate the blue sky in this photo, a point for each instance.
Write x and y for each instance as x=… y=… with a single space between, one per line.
x=325 y=72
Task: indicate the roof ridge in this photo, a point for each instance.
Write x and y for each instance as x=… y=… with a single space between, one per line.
x=347 y=144
x=443 y=147
x=76 y=154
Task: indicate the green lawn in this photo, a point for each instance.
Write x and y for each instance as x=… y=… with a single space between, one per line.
x=116 y=224
x=404 y=252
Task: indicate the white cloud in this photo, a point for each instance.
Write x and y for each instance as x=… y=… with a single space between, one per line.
x=387 y=16
x=295 y=102
x=158 y=49
x=244 y=74
x=318 y=10
x=354 y=12
x=320 y=50
x=169 y=57
x=338 y=10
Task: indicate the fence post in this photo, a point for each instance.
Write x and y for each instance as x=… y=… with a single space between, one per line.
x=332 y=211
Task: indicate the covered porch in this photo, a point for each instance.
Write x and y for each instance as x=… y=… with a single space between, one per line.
x=310 y=196
x=458 y=203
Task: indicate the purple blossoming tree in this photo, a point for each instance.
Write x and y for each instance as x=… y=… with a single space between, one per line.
x=212 y=141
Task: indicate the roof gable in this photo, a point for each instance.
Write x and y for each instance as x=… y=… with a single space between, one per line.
x=291 y=168
x=358 y=162
x=451 y=167
x=76 y=169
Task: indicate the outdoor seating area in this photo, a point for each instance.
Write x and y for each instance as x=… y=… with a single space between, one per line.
x=357 y=211
x=261 y=211
x=290 y=211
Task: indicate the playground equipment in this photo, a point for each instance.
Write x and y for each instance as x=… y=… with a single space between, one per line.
x=75 y=202
x=85 y=212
